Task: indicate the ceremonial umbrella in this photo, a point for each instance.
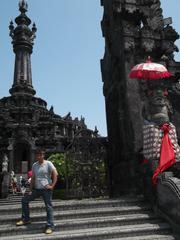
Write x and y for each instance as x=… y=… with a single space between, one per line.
x=149 y=71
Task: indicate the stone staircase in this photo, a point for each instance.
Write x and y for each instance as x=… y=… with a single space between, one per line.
x=127 y=218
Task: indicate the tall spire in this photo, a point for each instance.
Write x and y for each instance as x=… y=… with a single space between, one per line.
x=22 y=39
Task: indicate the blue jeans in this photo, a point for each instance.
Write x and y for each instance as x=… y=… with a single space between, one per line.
x=47 y=197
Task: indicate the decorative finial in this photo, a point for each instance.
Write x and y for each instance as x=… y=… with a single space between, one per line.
x=23 y=6
x=148 y=59
x=34 y=28
x=11 y=28
x=96 y=131
x=51 y=109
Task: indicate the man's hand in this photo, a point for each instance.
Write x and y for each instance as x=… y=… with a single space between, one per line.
x=48 y=187
x=54 y=180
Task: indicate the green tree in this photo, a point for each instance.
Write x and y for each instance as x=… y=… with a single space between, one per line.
x=58 y=159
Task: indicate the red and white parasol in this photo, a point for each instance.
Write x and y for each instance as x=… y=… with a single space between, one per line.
x=149 y=70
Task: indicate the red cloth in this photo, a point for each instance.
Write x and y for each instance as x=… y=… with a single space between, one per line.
x=144 y=162
x=29 y=174
x=167 y=156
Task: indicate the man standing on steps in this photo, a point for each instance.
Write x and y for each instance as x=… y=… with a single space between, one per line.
x=44 y=178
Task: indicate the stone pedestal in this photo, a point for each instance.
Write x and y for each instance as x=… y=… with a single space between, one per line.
x=5 y=185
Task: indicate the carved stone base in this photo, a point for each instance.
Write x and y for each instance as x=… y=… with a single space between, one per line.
x=5 y=185
x=168 y=198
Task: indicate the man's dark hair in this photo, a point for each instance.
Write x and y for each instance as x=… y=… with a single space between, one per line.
x=40 y=151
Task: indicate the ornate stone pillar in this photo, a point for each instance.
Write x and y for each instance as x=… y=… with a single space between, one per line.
x=23 y=38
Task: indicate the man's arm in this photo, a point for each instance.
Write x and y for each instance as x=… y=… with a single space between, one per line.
x=32 y=182
x=54 y=179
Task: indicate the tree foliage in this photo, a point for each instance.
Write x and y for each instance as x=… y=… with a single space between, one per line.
x=58 y=159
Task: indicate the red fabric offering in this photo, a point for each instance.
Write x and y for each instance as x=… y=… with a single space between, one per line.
x=167 y=156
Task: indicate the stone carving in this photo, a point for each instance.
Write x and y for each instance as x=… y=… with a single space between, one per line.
x=157 y=107
x=129 y=5
x=167 y=45
x=168 y=194
x=155 y=20
x=148 y=45
x=5 y=164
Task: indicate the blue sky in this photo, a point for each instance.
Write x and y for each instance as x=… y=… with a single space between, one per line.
x=171 y=9
x=67 y=52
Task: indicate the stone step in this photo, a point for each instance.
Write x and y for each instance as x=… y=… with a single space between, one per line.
x=15 y=200
x=76 y=213
x=93 y=219
x=71 y=205
x=80 y=223
x=123 y=200
x=117 y=232
x=151 y=237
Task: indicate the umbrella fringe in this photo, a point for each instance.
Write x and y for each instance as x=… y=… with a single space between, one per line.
x=150 y=75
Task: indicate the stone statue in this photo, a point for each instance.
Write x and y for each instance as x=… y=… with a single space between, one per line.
x=157 y=125
x=5 y=163
x=160 y=110
x=6 y=177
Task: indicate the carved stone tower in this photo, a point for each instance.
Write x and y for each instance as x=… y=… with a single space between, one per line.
x=133 y=30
